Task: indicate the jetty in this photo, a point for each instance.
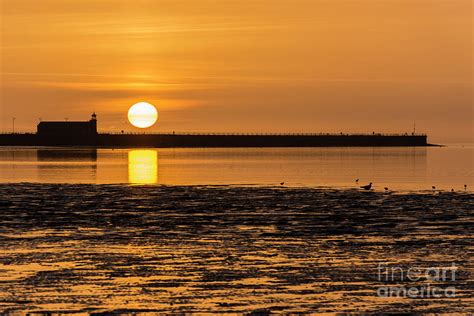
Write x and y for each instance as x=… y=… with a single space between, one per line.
x=84 y=133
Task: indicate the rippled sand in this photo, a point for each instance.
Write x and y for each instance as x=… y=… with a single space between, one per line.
x=97 y=248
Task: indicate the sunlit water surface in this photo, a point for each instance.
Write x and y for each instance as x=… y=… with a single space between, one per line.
x=398 y=168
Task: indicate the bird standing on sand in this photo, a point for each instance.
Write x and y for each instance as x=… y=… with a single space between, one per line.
x=282 y=183
x=367 y=187
x=465 y=187
x=433 y=187
x=357 y=181
x=386 y=189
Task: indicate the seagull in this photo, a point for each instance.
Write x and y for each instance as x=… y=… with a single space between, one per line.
x=386 y=189
x=282 y=183
x=452 y=190
x=367 y=187
x=465 y=187
x=433 y=187
x=357 y=180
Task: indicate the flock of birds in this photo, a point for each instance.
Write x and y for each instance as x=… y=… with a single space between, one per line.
x=369 y=187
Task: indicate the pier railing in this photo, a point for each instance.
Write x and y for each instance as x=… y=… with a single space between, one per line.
x=260 y=134
x=237 y=134
x=17 y=133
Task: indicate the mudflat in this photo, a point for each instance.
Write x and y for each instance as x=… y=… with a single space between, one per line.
x=103 y=248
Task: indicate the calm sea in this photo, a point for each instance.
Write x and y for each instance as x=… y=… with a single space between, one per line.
x=399 y=168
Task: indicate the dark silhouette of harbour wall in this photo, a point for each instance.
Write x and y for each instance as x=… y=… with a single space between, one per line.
x=214 y=140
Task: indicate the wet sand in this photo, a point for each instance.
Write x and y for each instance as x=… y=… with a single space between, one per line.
x=103 y=248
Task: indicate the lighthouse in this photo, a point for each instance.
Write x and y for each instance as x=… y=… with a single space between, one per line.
x=93 y=122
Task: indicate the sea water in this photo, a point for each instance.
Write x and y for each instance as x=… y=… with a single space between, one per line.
x=398 y=168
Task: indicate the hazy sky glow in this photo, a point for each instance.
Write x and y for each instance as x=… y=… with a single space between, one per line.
x=241 y=65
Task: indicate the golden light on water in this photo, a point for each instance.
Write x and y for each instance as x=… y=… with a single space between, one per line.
x=143 y=166
x=142 y=115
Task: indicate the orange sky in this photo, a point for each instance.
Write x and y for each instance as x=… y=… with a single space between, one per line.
x=241 y=65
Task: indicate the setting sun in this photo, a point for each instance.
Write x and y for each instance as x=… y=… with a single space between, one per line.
x=142 y=115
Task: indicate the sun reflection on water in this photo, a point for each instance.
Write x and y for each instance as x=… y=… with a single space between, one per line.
x=143 y=166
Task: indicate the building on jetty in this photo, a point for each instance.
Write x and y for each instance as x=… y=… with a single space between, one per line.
x=85 y=134
x=65 y=132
